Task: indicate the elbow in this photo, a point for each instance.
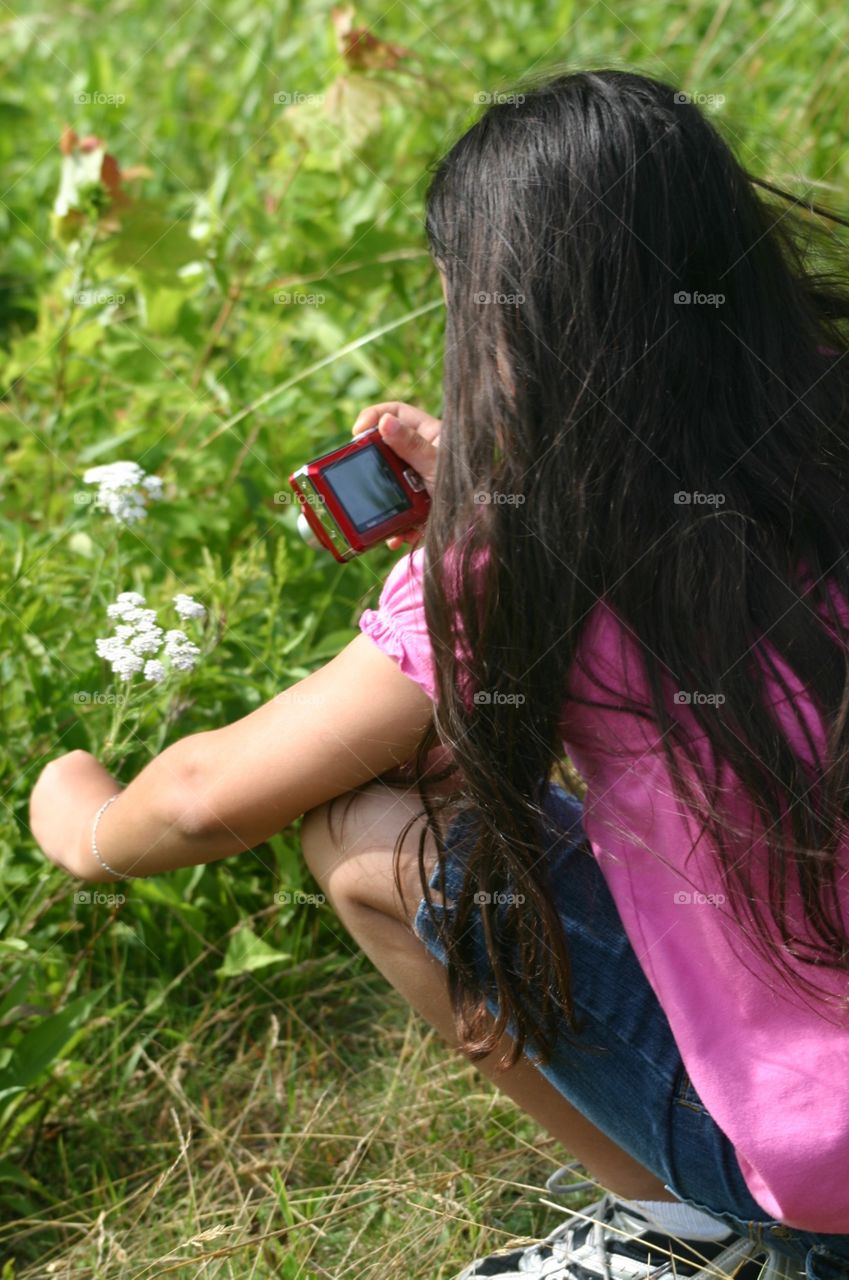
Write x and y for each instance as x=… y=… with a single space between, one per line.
x=206 y=799
x=185 y=794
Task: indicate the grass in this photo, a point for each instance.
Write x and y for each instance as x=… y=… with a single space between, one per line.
x=284 y=1137
x=165 y=1109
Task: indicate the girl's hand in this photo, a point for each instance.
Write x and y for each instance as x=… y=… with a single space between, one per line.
x=414 y=435
x=64 y=800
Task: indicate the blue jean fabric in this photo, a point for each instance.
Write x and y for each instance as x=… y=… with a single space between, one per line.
x=633 y=1086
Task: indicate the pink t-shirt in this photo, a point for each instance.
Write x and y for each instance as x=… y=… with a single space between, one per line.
x=770 y=1064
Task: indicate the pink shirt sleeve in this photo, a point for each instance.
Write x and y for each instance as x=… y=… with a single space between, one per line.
x=397 y=625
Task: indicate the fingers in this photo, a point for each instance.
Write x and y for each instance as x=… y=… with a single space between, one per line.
x=415 y=442
x=407 y=414
x=399 y=539
x=370 y=416
x=412 y=446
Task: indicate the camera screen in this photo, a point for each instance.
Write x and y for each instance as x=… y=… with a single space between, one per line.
x=366 y=487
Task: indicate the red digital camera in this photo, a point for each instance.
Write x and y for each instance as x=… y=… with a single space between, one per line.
x=357 y=495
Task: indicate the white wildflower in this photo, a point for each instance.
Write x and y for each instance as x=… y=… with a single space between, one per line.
x=126 y=664
x=180 y=650
x=138 y=637
x=127 y=601
x=147 y=641
x=185 y=661
x=115 y=475
x=108 y=646
x=124 y=490
x=188 y=607
x=123 y=661
x=142 y=619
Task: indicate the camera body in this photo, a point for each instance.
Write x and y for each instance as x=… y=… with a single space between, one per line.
x=355 y=496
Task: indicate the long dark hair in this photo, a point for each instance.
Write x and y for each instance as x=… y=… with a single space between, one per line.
x=584 y=391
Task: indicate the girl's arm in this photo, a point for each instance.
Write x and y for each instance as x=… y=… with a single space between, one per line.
x=224 y=791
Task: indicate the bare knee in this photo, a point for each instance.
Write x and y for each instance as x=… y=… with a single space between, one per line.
x=316 y=841
x=356 y=822
x=350 y=850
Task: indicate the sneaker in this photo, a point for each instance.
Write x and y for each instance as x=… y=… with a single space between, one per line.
x=607 y=1241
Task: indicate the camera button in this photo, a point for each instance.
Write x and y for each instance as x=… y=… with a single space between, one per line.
x=413 y=479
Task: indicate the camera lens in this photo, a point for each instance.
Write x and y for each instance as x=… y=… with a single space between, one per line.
x=306 y=531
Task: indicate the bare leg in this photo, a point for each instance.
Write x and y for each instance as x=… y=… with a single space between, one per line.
x=356 y=874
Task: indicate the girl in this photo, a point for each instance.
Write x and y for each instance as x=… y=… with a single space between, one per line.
x=636 y=552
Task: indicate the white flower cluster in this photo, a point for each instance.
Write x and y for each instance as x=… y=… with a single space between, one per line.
x=181 y=651
x=124 y=489
x=187 y=607
x=138 y=636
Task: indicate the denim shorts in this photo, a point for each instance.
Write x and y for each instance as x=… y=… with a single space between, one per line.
x=633 y=1086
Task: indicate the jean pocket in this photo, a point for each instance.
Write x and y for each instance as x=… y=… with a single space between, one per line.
x=685 y=1094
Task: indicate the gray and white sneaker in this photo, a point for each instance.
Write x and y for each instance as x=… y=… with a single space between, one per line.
x=608 y=1241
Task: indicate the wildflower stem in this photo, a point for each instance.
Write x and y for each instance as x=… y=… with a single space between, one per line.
x=113 y=753
x=84 y=246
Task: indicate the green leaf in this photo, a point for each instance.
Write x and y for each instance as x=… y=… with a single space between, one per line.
x=163 y=307
x=11 y=1172
x=331 y=644
x=165 y=893
x=109 y=445
x=36 y=1050
x=152 y=242
x=246 y=952
x=15 y=996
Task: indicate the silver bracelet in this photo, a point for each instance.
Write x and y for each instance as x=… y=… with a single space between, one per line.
x=94 y=849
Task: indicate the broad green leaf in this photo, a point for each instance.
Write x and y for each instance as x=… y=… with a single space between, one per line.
x=13 y=945
x=152 y=241
x=163 y=892
x=15 y=995
x=37 y=1049
x=246 y=952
